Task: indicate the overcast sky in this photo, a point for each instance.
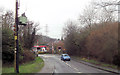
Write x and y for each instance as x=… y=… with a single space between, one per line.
x=54 y=13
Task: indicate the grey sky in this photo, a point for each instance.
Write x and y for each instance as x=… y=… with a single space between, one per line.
x=54 y=13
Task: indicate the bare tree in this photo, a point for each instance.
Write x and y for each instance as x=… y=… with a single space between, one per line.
x=99 y=12
x=88 y=17
x=8 y=20
x=108 y=10
x=27 y=34
x=70 y=33
x=110 y=5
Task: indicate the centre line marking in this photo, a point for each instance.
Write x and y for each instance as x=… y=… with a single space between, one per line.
x=76 y=69
x=71 y=67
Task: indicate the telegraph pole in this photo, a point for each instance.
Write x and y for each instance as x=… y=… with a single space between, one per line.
x=46 y=29
x=22 y=20
x=16 y=59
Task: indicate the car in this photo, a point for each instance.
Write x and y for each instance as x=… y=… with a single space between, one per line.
x=65 y=57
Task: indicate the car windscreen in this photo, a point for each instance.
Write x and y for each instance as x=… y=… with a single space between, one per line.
x=66 y=55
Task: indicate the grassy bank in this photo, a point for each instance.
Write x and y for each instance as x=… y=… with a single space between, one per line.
x=31 y=67
x=96 y=62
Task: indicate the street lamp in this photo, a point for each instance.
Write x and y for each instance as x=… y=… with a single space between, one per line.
x=23 y=20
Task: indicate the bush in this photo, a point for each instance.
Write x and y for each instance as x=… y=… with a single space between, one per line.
x=103 y=42
x=116 y=60
x=27 y=56
x=7 y=46
x=99 y=42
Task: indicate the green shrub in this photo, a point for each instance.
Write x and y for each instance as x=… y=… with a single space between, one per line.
x=7 y=45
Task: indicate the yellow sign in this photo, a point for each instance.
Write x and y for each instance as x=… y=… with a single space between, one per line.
x=15 y=37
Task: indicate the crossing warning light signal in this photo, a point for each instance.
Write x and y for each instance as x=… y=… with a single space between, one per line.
x=14 y=28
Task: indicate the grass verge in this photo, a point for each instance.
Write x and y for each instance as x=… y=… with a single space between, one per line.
x=31 y=67
x=96 y=62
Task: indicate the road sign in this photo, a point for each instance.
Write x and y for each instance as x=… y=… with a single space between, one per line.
x=15 y=37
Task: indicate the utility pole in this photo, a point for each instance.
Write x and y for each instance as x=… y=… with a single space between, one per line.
x=22 y=20
x=46 y=29
x=52 y=48
x=16 y=57
x=118 y=34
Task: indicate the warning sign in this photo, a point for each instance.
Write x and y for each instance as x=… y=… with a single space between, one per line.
x=15 y=37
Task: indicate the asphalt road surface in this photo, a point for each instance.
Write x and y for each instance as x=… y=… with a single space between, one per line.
x=53 y=64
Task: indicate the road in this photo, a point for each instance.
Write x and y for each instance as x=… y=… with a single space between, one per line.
x=53 y=63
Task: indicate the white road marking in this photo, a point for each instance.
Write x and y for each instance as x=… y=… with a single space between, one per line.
x=79 y=72
x=73 y=67
x=46 y=56
x=76 y=69
x=67 y=64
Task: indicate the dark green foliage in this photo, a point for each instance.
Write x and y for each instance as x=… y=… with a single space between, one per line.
x=8 y=42
x=7 y=45
x=116 y=60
